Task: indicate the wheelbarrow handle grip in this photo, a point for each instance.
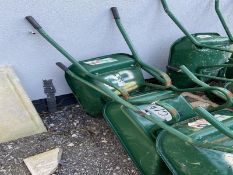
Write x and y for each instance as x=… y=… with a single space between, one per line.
x=173 y=69
x=62 y=66
x=33 y=22
x=115 y=13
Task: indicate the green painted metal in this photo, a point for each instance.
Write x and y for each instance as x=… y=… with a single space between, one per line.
x=137 y=111
x=194 y=40
x=136 y=140
x=186 y=159
x=221 y=18
x=156 y=73
x=124 y=64
x=229 y=70
x=184 y=52
x=138 y=135
x=207 y=55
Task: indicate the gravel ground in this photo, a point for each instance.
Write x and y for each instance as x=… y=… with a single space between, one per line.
x=89 y=146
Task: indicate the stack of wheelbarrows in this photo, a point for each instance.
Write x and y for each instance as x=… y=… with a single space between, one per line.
x=179 y=124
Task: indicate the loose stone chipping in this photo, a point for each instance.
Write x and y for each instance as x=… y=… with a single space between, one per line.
x=44 y=163
x=95 y=150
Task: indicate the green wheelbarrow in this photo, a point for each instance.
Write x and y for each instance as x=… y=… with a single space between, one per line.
x=207 y=55
x=159 y=125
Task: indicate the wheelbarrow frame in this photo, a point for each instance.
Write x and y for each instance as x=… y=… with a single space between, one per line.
x=200 y=45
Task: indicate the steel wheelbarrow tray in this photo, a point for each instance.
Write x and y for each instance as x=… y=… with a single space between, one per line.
x=136 y=110
x=207 y=55
x=186 y=159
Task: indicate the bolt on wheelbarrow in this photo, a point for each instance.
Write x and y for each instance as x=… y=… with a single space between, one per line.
x=207 y=55
x=152 y=121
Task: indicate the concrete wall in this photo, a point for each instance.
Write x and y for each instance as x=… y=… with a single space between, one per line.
x=86 y=29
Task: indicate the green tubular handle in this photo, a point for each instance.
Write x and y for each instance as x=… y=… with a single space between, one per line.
x=100 y=87
x=187 y=139
x=174 y=69
x=38 y=27
x=220 y=92
x=64 y=68
x=184 y=137
x=224 y=94
x=186 y=71
x=213 y=121
x=221 y=18
x=185 y=31
x=156 y=73
x=83 y=71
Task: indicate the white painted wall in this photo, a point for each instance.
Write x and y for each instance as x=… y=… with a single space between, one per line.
x=86 y=29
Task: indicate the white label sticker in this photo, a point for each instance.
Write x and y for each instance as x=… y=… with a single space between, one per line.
x=159 y=111
x=228 y=158
x=201 y=123
x=100 y=61
x=123 y=79
x=203 y=36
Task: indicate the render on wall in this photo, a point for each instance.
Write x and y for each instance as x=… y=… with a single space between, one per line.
x=86 y=29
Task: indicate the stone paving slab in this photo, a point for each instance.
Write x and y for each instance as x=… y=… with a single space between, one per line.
x=18 y=117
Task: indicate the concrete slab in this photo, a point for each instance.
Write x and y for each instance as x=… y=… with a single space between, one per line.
x=18 y=117
x=45 y=163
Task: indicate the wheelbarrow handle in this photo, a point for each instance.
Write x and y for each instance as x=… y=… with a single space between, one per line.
x=220 y=92
x=156 y=73
x=186 y=32
x=83 y=71
x=221 y=18
x=175 y=132
x=115 y=13
x=215 y=122
x=62 y=66
x=33 y=22
x=123 y=92
x=173 y=69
